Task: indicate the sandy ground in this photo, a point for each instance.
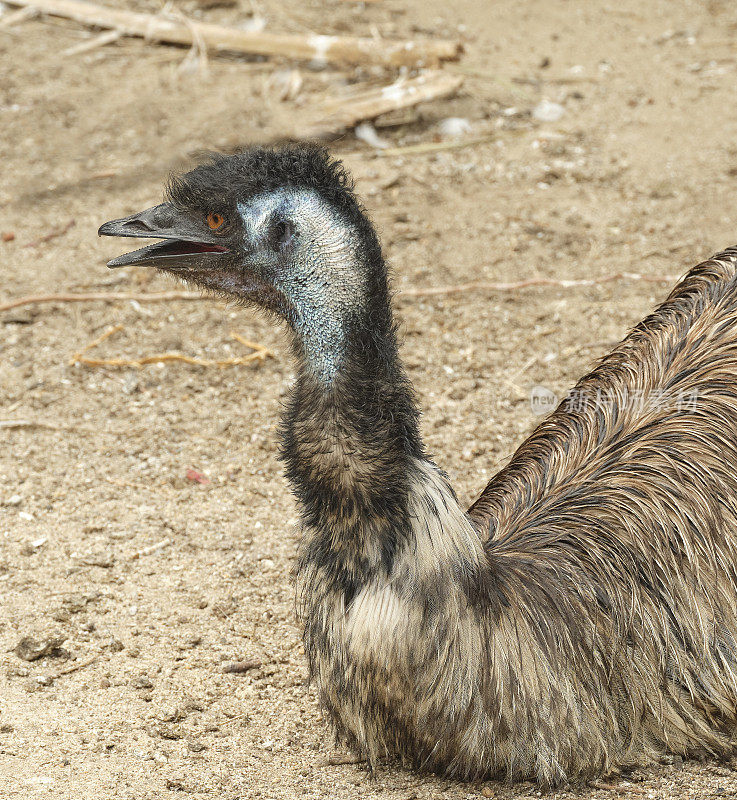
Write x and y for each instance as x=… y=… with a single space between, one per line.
x=148 y=581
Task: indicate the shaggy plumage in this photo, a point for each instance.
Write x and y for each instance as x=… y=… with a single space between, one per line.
x=581 y=616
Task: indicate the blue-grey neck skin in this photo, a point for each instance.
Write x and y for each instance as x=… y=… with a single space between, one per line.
x=323 y=276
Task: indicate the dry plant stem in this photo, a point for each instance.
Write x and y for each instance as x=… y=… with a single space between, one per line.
x=105 y=297
x=53 y=235
x=340 y=113
x=76 y=667
x=92 y=44
x=462 y=288
x=18 y=424
x=147 y=551
x=435 y=147
x=23 y=14
x=79 y=357
x=474 y=286
x=310 y=47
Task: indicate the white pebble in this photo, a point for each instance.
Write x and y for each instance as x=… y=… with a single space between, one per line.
x=453 y=127
x=547 y=111
x=367 y=133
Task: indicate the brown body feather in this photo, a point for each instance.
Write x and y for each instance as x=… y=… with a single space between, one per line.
x=582 y=616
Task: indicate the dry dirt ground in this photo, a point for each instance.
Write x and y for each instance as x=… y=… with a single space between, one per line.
x=152 y=581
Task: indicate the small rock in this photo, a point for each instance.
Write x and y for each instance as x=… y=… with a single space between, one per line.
x=26 y=516
x=104 y=559
x=453 y=127
x=171 y=732
x=14 y=500
x=239 y=667
x=8 y=236
x=115 y=645
x=172 y=714
x=134 y=652
x=131 y=384
x=141 y=682
x=366 y=132
x=487 y=792
x=224 y=608
x=196 y=746
x=547 y=111
x=6 y=727
x=30 y=649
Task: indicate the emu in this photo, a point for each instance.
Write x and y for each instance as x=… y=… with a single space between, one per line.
x=580 y=617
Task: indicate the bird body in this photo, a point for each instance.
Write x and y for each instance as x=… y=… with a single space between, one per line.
x=581 y=617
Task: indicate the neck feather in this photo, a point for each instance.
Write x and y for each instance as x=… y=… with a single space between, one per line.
x=349 y=444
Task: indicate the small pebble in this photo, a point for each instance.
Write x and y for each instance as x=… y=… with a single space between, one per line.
x=30 y=649
x=454 y=127
x=239 y=667
x=547 y=111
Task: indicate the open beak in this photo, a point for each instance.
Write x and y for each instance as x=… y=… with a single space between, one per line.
x=187 y=246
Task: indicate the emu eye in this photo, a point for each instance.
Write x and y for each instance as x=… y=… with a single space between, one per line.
x=215 y=221
x=281 y=233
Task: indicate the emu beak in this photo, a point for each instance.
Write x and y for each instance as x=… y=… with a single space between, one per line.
x=188 y=246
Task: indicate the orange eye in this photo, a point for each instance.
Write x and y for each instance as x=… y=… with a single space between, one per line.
x=215 y=221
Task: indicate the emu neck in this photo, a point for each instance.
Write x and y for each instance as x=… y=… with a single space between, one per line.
x=348 y=447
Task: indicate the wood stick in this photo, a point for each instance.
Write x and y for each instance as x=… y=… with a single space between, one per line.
x=436 y=147
x=474 y=286
x=147 y=551
x=259 y=354
x=23 y=14
x=18 y=424
x=53 y=235
x=76 y=667
x=310 y=47
x=105 y=297
x=91 y=44
x=459 y=288
x=342 y=112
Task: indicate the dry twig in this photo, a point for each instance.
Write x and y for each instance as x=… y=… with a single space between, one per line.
x=105 y=297
x=21 y=15
x=53 y=235
x=435 y=147
x=474 y=286
x=344 y=111
x=76 y=667
x=259 y=354
x=311 y=47
x=92 y=44
x=147 y=551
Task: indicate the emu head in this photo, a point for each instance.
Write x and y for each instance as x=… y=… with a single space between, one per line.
x=279 y=228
